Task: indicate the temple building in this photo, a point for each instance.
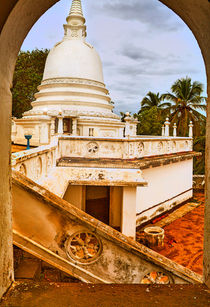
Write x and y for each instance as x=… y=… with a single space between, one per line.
x=72 y=97
x=85 y=154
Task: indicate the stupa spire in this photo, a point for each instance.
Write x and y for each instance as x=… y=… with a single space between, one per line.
x=75 y=27
x=76 y=8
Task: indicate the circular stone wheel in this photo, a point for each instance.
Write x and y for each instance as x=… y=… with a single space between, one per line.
x=154 y=277
x=84 y=247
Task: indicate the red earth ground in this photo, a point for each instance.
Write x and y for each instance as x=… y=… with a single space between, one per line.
x=183 y=242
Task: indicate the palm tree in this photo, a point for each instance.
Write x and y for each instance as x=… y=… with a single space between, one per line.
x=154 y=100
x=186 y=101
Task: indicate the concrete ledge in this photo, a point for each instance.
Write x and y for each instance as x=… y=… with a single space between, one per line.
x=140 y=163
x=82 y=295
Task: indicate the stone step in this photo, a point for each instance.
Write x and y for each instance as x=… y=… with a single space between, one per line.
x=28 y=269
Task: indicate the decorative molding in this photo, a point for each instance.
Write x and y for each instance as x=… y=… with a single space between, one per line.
x=72 y=81
x=157 y=278
x=92 y=147
x=84 y=247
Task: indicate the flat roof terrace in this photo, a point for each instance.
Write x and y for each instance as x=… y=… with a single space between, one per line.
x=138 y=163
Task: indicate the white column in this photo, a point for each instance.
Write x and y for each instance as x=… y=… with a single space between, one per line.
x=52 y=130
x=163 y=131
x=128 y=221
x=190 y=129
x=174 y=130
x=44 y=134
x=60 y=124
x=167 y=124
x=74 y=126
x=127 y=129
x=127 y=120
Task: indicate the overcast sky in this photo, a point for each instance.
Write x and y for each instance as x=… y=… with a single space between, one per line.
x=143 y=46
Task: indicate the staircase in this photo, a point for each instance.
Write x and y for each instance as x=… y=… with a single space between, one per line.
x=74 y=242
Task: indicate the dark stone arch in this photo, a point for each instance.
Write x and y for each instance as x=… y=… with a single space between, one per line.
x=16 y=19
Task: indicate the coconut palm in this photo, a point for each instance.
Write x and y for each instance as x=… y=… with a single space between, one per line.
x=186 y=100
x=154 y=100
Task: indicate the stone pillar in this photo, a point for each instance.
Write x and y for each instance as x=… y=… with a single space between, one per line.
x=52 y=128
x=127 y=129
x=44 y=134
x=190 y=129
x=121 y=132
x=6 y=253
x=127 y=120
x=60 y=124
x=167 y=124
x=206 y=255
x=163 y=131
x=128 y=227
x=116 y=194
x=74 y=126
x=175 y=130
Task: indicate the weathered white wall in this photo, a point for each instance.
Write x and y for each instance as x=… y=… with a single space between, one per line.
x=129 y=211
x=168 y=185
x=115 y=206
x=75 y=196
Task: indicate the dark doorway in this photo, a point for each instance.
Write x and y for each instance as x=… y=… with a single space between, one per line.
x=97 y=202
x=67 y=125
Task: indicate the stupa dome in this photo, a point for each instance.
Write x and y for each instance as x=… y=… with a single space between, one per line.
x=73 y=58
x=72 y=98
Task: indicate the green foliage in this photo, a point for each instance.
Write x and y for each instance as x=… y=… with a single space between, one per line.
x=150 y=121
x=27 y=76
x=181 y=106
x=186 y=100
x=199 y=162
x=154 y=100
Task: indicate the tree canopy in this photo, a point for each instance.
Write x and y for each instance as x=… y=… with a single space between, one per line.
x=150 y=121
x=186 y=100
x=27 y=76
x=182 y=105
x=152 y=100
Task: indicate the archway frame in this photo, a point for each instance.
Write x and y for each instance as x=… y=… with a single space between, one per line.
x=16 y=20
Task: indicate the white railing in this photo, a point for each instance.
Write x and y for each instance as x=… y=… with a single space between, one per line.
x=37 y=162
x=124 y=148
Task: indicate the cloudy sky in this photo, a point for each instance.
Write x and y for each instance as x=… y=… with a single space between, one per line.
x=143 y=46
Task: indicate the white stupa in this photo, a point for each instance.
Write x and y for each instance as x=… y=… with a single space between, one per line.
x=72 y=97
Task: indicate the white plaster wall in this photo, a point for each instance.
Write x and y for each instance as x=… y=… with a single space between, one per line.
x=128 y=211
x=115 y=214
x=165 y=183
x=74 y=195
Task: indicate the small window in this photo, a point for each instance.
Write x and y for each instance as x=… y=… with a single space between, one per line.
x=91 y=131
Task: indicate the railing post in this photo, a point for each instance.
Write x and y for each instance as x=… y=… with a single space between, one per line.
x=60 y=124
x=127 y=120
x=163 y=131
x=74 y=126
x=167 y=124
x=174 y=130
x=190 y=129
